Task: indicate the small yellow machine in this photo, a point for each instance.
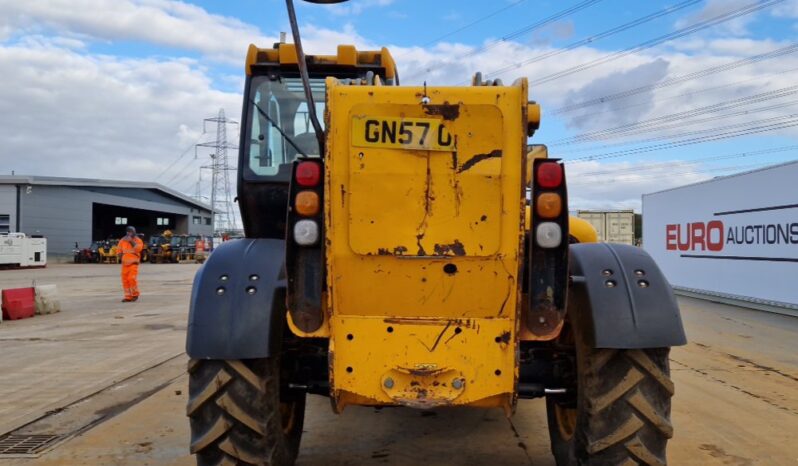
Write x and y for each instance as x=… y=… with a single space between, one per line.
x=415 y=251
x=161 y=248
x=107 y=252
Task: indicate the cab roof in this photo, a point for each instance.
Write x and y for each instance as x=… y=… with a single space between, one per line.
x=283 y=54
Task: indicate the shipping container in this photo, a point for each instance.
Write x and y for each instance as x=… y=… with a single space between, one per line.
x=613 y=226
x=734 y=237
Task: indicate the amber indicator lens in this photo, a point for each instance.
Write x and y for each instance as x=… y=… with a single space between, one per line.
x=549 y=205
x=308 y=174
x=549 y=175
x=307 y=203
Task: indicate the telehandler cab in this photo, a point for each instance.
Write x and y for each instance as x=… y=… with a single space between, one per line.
x=412 y=250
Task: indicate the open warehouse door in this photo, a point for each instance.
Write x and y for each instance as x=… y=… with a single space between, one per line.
x=109 y=221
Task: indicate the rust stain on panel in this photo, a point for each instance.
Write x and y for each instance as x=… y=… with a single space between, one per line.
x=454 y=249
x=449 y=112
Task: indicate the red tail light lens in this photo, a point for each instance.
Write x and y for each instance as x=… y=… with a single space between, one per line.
x=308 y=174
x=549 y=175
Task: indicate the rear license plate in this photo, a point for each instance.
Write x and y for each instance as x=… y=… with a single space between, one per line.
x=402 y=133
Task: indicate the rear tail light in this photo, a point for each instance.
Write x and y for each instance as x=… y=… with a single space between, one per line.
x=306 y=232
x=549 y=175
x=549 y=205
x=304 y=252
x=548 y=235
x=308 y=174
x=547 y=280
x=307 y=203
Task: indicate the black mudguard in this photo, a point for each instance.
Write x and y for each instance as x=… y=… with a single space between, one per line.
x=236 y=310
x=625 y=297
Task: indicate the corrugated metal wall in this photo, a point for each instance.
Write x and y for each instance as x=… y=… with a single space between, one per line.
x=63 y=214
x=8 y=204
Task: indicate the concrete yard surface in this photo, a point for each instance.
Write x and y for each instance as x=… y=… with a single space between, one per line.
x=50 y=361
x=109 y=378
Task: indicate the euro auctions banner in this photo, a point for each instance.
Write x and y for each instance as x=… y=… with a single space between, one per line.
x=736 y=235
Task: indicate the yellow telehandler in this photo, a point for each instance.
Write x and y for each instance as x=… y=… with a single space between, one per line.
x=411 y=249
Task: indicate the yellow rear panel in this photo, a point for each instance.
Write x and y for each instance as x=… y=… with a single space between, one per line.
x=424 y=223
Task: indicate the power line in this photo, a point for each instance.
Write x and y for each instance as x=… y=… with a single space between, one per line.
x=183 y=169
x=602 y=35
x=696 y=122
x=692 y=93
x=192 y=183
x=656 y=166
x=653 y=124
x=692 y=171
x=747 y=124
x=699 y=26
x=182 y=154
x=473 y=23
x=528 y=28
x=699 y=140
x=680 y=79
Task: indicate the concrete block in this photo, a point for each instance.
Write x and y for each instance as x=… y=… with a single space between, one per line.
x=47 y=301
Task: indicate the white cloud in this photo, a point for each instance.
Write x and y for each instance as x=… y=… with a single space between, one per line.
x=354 y=7
x=167 y=23
x=163 y=22
x=714 y=8
x=64 y=111
x=788 y=9
x=318 y=40
x=37 y=40
x=620 y=185
x=70 y=114
x=616 y=112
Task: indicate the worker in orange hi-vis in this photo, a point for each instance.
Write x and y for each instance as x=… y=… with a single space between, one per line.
x=129 y=250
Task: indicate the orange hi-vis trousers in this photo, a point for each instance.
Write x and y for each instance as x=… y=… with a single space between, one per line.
x=130 y=283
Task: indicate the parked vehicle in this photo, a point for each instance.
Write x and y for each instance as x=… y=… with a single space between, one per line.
x=88 y=255
x=393 y=258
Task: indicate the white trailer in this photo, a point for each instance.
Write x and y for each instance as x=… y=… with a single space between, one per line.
x=612 y=226
x=19 y=250
x=733 y=237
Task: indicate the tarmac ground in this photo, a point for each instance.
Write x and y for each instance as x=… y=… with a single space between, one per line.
x=102 y=383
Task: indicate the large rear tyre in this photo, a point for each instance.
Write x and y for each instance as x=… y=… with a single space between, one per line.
x=620 y=414
x=238 y=416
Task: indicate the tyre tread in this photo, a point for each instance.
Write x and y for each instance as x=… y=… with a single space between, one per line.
x=629 y=406
x=234 y=411
x=196 y=402
x=623 y=407
x=218 y=429
x=645 y=362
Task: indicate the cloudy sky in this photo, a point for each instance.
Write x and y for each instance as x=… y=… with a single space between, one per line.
x=638 y=96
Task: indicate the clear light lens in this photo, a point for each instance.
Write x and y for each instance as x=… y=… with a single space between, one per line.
x=306 y=232
x=548 y=235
